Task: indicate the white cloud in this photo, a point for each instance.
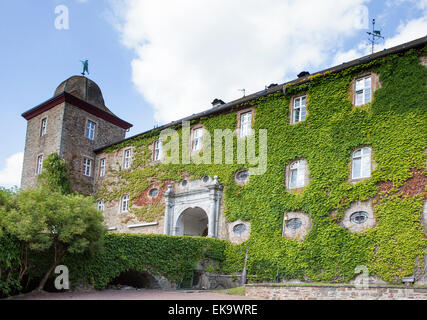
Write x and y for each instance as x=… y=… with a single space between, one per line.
x=190 y=52
x=10 y=175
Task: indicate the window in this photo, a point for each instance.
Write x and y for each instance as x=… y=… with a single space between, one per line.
x=359 y=217
x=299 y=109
x=294 y=224
x=127 y=158
x=124 y=206
x=242 y=176
x=87 y=167
x=245 y=124
x=90 y=130
x=362 y=91
x=43 y=127
x=102 y=167
x=39 y=167
x=100 y=205
x=153 y=192
x=158 y=150
x=297 y=174
x=239 y=228
x=361 y=164
x=197 y=139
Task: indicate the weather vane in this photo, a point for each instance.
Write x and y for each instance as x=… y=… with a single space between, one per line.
x=375 y=34
x=85 y=67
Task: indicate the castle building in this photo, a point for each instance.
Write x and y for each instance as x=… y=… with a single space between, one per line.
x=139 y=194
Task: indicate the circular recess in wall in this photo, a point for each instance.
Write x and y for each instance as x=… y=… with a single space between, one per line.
x=359 y=217
x=242 y=176
x=205 y=179
x=184 y=183
x=239 y=228
x=294 y=224
x=153 y=192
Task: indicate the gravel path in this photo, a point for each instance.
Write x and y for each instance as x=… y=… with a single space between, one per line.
x=143 y=294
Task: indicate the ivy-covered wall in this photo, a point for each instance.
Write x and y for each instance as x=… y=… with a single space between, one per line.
x=394 y=125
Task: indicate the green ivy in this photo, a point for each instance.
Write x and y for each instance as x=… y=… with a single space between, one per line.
x=393 y=125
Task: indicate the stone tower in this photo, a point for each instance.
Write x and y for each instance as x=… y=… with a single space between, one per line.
x=73 y=124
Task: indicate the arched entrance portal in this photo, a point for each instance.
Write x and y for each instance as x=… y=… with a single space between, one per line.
x=193 y=222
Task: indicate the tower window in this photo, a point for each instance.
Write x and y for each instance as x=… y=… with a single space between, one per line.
x=124 y=207
x=299 y=109
x=90 y=130
x=102 y=167
x=158 y=150
x=197 y=139
x=87 y=167
x=127 y=158
x=362 y=91
x=39 y=167
x=245 y=124
x=43 y=127
x=361 y=163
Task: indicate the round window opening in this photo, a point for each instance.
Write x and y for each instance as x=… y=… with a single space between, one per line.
x=205 y=179
x=359 y=217
x=242 y=176
x=184 y=183
x=239 y=228
x=294 y=224
x=153 y=193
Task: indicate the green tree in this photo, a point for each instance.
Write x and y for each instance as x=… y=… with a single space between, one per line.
x=55 y=175
x=45 y=220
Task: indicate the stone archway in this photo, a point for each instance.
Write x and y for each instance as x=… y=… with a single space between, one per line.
x=193 y=222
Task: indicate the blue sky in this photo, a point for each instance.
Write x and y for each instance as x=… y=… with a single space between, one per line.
x=157 y=61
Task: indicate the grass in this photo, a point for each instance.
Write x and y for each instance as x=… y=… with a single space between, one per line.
x=239 y=291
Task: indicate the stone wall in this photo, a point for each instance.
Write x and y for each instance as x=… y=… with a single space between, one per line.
x=75 y=146
x=334 y=292
x=36 y=145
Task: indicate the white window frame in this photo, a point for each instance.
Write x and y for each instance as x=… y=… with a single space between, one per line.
x=124 y=203
x=197 y=139
x=87 y=167
x=297 y=169
x=245 y=124
x=39 y=164
x=43 y=127
x=361 y=89
x=127 y=158
x=299 y=107
x=90 y=129
x=364 y=155
x=102 y=166
x=158 y=150
x=100 y=205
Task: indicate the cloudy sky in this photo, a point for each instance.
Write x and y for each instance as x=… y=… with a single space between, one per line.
x=157 y=61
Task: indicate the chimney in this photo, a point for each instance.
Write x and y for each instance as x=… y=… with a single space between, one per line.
x=303 y=74
x=217 y=102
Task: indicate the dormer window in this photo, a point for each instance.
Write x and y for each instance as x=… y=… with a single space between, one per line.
x=90 y=130
x=363 y=91
x=299 y=110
